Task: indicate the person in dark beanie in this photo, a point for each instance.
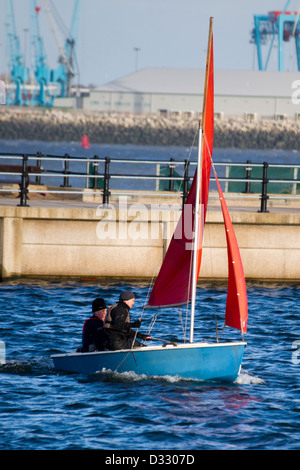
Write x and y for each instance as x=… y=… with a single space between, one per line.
x=93 y=334
x=118 y=327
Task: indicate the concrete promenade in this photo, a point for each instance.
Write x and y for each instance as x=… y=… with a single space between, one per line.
x=79 y=238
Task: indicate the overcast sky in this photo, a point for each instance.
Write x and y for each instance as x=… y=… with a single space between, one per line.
x=167 y=33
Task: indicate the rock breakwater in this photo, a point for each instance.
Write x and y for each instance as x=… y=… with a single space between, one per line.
x=66 y=126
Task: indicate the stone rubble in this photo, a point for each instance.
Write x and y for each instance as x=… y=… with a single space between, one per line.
x=66 y=126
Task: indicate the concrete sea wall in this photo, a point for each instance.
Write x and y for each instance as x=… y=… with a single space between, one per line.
x=117 y=243
x=57 y=125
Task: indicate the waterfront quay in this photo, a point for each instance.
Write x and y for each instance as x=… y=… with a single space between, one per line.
x=128 y=238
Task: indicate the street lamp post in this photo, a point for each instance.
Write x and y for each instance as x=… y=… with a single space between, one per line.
x=137 y=50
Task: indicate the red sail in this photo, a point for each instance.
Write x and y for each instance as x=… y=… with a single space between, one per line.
x=173 y=283
x=236 y=305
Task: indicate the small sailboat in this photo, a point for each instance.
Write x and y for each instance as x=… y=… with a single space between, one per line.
x=176 y=284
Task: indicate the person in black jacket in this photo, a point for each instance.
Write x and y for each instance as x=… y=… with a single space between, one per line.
x=93 y=334
x=118 y=326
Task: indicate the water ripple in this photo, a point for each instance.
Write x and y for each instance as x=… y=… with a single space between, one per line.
x=41 y=408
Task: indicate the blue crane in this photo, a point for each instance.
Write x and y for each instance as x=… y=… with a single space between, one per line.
x=17 y=95
x=41 y=95
x=65 y=72
x=281 y=24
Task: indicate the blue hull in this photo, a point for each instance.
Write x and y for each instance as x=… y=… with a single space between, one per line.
x=200 y=361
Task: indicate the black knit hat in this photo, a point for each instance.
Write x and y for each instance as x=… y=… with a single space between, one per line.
x=98 y=304
x=127 y=295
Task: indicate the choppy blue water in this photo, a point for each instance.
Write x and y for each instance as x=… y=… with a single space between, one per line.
x=43 y=409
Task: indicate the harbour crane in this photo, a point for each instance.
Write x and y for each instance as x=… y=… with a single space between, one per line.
x=283 y=25
x=17 y=95
x=41 y=95
x=64 y=74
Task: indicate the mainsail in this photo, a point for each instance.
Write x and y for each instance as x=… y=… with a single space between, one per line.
x=173 y=283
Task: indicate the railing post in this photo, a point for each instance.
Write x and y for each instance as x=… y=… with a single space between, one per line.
x=294 y=188
x=264 y=191
x=96 y=165
x=248 y=177
x=157 y=174
x=39 y=165
x=106 y=192
x=66 y=172
x=87 y=183
x=24 y=183
x=185 y=181
x=171 y=181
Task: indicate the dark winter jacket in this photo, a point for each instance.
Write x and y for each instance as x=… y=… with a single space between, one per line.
x=118 y=328
x=93 y=335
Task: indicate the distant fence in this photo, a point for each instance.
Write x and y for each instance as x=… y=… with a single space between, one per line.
x=263 y=180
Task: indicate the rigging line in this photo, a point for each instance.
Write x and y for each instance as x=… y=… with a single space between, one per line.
x=189 y=155
x=184 y=326
x=193 y=145
x=221 y=333
x=224 y=328
x=124 y=358
x=136 y=331
x=152 y=323
x=211 y=263
x=191 y=258
x=131 y=350
x=213 y=285
x=149 y=287
x=189 y=289
x=144 y=306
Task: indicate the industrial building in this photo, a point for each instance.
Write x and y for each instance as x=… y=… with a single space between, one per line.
x=261 y=94
x=252 y=94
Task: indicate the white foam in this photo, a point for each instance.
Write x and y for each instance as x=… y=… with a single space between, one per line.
x=2 y=353
x=133 y=376
x=245 y=378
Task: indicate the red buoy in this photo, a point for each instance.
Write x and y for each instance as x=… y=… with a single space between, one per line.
x=85 y=142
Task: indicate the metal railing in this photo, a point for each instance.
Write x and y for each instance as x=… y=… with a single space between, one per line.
x=24 y=173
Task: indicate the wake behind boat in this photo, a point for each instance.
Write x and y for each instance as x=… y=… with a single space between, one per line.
x=176 y=283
